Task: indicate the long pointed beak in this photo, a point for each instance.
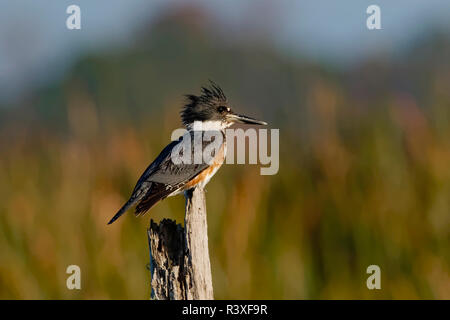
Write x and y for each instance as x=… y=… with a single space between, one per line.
x=234 y=117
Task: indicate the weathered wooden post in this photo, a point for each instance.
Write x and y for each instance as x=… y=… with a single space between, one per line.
x=179 y=257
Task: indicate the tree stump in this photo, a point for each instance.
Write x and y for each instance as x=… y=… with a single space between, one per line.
x=179 y=257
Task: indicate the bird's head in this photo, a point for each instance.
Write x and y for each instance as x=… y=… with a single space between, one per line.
x=212 y=107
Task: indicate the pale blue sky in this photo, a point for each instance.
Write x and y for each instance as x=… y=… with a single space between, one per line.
x=35 y=44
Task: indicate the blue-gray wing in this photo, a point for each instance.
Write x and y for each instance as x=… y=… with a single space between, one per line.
x=168 y=169
x=162 y=177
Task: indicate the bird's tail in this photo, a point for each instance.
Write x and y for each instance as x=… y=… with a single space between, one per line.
x=122 y=210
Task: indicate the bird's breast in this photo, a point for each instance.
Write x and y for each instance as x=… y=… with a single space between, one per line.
x=203 y=177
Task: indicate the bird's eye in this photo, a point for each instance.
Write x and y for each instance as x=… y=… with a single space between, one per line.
x=223 y=109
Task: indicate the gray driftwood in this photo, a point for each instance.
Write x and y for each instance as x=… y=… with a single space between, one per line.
x=179 y=257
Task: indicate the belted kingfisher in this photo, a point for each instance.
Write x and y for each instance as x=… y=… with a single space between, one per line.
x=164 y=178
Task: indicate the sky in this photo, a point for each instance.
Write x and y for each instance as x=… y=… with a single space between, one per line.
x=36 y=46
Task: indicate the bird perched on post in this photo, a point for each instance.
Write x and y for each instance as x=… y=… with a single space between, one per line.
x=165 y=177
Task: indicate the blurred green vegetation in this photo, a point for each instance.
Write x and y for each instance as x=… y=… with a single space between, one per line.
x=364 y=172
